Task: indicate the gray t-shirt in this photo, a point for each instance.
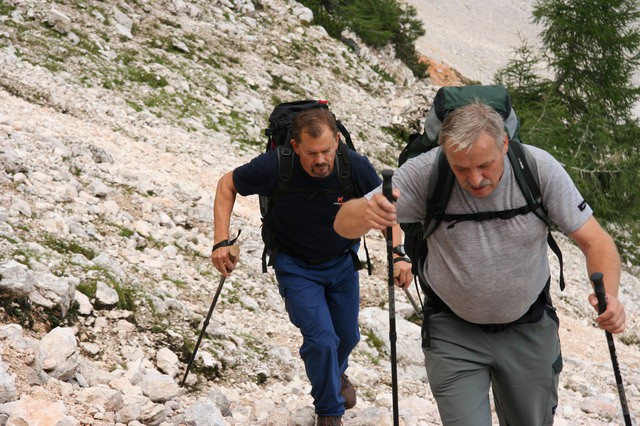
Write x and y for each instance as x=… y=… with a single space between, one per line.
x=490 y=272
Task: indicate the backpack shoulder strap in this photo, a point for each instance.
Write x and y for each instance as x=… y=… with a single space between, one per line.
x=440 y=186
x=286 y=157
x=525 y=171
x=345 y=133
x=343 y=170
x=438 y=192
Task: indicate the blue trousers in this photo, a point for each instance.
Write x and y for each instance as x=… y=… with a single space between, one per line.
x=323 y=302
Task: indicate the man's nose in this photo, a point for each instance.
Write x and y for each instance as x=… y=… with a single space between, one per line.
x=475 y=178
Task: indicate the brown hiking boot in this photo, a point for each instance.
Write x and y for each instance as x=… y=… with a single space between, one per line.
x=348 y=392
x=329 y=421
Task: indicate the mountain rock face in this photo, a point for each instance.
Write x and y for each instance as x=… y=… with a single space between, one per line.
x=116 y=121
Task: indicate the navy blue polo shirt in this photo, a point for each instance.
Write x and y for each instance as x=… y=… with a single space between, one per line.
x=303 y=222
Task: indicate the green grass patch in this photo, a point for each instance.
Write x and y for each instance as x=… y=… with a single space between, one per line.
x=135 y=106
x=88 y=288
x=126 y=297
x=384 y=75
x=139 y=75
x=374 y=341
x=399 y=133
x=6 y=9
x=8 y=238
x=159 y=328
x=205 y=272
x=178 y=283
x=64 y=247
x=126 y=232
x=170 y=23
x=277 y=82
x=23 y=256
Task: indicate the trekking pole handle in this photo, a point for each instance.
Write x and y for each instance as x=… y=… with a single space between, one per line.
x=234 y=252
x=386 y=184
x=598 y=287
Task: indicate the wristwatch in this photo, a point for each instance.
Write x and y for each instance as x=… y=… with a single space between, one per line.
x=399 y=250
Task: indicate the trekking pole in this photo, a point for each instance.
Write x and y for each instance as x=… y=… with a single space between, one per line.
x=416 y=309
x=234 y=252
x=598 y=285
x=386 y=191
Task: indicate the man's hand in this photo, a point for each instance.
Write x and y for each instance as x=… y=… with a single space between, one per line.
x=380 y=213
x=402 y=274
x=225 y=259
x=358 y=216
x=613 y=318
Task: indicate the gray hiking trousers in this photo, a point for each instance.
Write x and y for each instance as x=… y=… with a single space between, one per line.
x=521 y=363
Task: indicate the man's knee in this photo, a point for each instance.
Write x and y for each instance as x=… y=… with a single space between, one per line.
x=321 y=342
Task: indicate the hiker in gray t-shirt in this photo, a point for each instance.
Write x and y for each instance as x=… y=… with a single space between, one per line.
x=486 y=277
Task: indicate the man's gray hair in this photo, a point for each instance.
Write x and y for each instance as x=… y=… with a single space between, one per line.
x=464 y=125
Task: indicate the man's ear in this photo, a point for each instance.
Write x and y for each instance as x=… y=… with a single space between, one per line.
x=505 y=147
x=295 y=146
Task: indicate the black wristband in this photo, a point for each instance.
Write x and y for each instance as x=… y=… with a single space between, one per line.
x=402 y=259
x=225 y=243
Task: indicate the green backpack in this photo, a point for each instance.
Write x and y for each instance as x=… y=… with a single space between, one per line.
x=442 y=180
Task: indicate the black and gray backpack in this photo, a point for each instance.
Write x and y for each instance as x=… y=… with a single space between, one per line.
x=279 y=138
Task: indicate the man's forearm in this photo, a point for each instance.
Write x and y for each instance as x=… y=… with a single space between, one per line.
x=600 y=253
x=350 y=221
x=223 y=207
x=603 y=257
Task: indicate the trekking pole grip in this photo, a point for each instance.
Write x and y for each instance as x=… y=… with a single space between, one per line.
x=598 y=287
x=387 y=175
x=234 y=252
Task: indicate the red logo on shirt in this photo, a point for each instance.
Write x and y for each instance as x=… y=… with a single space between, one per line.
x=339 y=202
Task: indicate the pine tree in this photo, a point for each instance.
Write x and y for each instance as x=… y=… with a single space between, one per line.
x=593 y=48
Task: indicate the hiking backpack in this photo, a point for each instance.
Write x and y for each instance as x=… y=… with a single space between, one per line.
x=279 y=138
x=442 y=179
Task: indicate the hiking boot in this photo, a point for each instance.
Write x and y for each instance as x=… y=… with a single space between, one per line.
x=348 y=392
x=329 y=421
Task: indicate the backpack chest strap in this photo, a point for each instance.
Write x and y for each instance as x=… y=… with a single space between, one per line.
x=481 y=216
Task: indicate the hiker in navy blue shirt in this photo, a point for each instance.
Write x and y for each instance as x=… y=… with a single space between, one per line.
x=316 y=268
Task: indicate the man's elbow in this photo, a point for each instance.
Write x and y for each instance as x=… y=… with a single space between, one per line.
x=340 y=227
x=343 y=223
x=226 y=185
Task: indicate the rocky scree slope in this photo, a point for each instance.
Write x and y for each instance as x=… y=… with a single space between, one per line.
x=116 y=120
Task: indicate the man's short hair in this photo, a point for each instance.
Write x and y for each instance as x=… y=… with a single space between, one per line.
x=464 y=125
x=313 y=122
